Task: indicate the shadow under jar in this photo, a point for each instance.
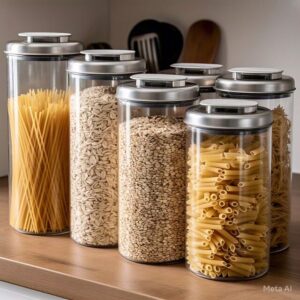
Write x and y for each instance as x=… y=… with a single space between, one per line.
x=38 y=111
x=275 y=91
x=204 y=75
x=228 y=189
x=152 y=168
x=93 y=79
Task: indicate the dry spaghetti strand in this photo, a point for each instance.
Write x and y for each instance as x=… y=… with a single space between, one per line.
x=39 y=131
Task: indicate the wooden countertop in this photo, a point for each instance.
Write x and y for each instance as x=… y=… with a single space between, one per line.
x=59 y=266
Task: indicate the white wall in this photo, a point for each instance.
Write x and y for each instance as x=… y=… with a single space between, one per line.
x=254 y=33
x=87 y=20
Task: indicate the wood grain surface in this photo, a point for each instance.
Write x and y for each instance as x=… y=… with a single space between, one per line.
x=58 y=266
x=202 y=42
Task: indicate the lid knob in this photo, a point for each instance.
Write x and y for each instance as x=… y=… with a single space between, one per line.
x=46 y=37
x=231 y=106
x=256 y=73
x=108 y=54
x=159 y=80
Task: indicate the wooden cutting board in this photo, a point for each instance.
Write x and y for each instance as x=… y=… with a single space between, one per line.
x=202 y=42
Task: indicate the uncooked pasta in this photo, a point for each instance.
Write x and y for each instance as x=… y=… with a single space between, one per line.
x=228 y=206
x=281 y=177
x=39 y=134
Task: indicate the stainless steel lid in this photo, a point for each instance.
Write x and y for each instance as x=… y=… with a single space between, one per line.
x=44 y=44
x=158 y=88
x=228 y=114
x=204 y=75
x=255 y=81
x=107 y=62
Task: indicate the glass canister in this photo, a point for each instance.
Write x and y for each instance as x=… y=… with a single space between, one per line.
x=39 y=131
x=152 y=168
x=204 y=75
x=275 y=91
x=93 y=79
x=228 y=189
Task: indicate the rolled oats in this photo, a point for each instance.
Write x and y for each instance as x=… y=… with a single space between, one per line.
x=94 y=171
x=152 y=191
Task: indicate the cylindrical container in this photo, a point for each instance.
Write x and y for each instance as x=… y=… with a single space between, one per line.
x=274 y=91
x=93 y=79
x=152 y=167
x=204 y=75
x=39 y=132
x=228 y=189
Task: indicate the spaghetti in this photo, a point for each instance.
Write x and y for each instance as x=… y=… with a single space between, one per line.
x=39 y=132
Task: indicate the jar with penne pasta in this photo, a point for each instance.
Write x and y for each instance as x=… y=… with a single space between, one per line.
x=38 y=110
x=273 y=90
x=228 y=189
x=152 y=167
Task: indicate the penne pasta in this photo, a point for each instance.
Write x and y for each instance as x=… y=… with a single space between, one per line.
x=221 y=165
x=258 y=150
x=209 y=179
x=230 y=199
x=249 y=236
x=281 y=178
x=239 y=198
x=210 y=226
x=250 y=183
x=210 y=188
x=245 y=260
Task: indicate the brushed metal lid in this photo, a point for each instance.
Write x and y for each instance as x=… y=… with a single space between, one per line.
x=228 y=114
x=44 y=44
x=204 y=75
x=255 y=81
x=158 y=88
x=107 y=62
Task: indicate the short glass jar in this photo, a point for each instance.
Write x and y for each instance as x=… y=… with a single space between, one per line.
x=228 y=189
x=273 y=90
x=93 y=79
x=204 y=75
x=152 y=168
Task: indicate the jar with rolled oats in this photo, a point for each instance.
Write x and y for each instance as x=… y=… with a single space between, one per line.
x=93 y=79
x=152 y=167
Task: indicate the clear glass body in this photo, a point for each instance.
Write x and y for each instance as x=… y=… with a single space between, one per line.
x=94 y=160
x=228 y=203
x=152 y=183
x=39 y=144
x=282 y=107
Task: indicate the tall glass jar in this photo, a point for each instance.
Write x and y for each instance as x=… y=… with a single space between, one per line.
x=274 y=91
x=228 y=189
x=39 y=132
x=204 y=75
x=152 y=167
x=93 y=79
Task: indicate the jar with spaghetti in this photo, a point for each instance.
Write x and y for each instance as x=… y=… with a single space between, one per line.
x=93 y=79
x=152 y=167
x=273 y=90
x=38 y=113
x=228 y=189
x=204 y=75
